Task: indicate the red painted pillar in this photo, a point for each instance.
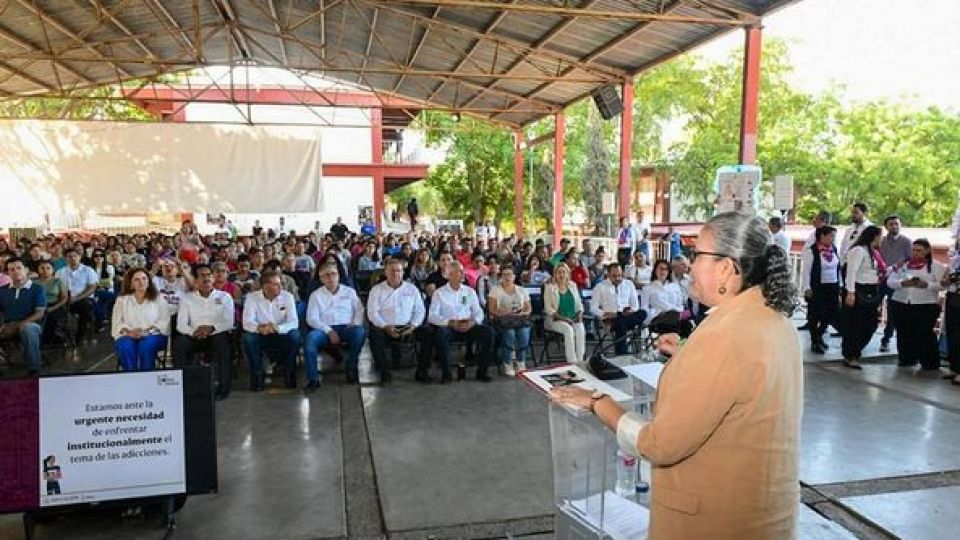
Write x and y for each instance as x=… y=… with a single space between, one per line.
x=558 y=144
x=750 y=96
x=376 y=155
x=626 y=151
x=518 y=180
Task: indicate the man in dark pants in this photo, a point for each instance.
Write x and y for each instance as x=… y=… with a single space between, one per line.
x=455 y=310
x=617 y=304
x=896 y=250
x=270 y=321
x=81 y=281
x=396 y=311
x=204 y=323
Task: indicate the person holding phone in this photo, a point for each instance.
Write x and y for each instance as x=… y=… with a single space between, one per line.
x=916 y=305
x=396 y=312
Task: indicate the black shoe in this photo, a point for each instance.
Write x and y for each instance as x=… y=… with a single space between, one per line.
x=483 y=377
x=852 y=364
x=220 y=397
x=291 y=382
x=386 y=378
x=311 y=387
x=352 y=378
x=806 y=326
x=423 y=377
x=817 y=349
x=446 y=378
x=884 y=346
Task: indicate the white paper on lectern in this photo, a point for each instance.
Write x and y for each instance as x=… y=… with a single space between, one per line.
x=590 y=382
x=622 y=519
x=649 y=373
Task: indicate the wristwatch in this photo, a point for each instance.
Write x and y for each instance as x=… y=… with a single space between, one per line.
x=594 y=398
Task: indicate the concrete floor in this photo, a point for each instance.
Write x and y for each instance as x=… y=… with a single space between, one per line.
x=472 y=460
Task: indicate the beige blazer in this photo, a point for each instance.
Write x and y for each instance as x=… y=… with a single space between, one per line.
x=551 y=298
x=724 y=441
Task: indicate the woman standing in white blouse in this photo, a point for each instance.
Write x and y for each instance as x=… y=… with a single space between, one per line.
x=861 y=303
x=821 y=285
x=916 y=303
x=141 y=322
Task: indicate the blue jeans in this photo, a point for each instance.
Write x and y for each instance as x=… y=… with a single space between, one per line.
x=139 y=354
x=30 y=338
x=103 y=308
x=514 y=339
x=287 y=344
x=317 y=340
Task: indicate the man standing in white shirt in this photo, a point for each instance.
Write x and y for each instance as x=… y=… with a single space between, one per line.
x=204 y=323
x=858 y=222
x=780 y=237
x=455 y=309
x=396 y=311
x=642 y=230
x=616 y=304
x=335 y=316
x=81 y=281
x=270 y=322
x=822 y=219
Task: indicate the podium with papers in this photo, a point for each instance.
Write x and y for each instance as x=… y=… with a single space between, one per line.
x=588 y=503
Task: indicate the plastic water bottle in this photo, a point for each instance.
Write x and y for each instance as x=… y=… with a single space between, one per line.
x=643 y=493
x=626 y=475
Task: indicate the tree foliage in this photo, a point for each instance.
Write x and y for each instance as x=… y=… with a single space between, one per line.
x=92 y=107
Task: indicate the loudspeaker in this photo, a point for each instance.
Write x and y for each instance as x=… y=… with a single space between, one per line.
x=608 y=101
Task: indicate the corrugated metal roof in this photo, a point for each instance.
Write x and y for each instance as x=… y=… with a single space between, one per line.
x=513 y=61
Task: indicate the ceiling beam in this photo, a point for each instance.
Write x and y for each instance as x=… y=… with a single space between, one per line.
x=459 y=30
x=416 y=51
x=23 y=44
x=541 y=43
x=560 y=11
x=473 y=48
x=173 y=27
x=276 y=24
x=27 y=77
x=225 y=12
x=609 y=46
x=60 y=27
x=366 y=51
x=100 y=12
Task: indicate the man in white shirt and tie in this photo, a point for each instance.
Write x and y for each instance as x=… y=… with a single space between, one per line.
x=396 y=311
x=335 y=316
x=455 y=310
x=270 y=322
x=858 y=222
x=204 y=323
x=616 y=304
x=81 y=281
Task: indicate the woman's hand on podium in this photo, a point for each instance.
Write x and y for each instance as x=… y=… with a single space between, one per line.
x=668 y=344
x=568 y=395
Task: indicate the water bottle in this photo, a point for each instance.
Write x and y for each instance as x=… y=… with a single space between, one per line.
x=643 y=493
x=626 y=475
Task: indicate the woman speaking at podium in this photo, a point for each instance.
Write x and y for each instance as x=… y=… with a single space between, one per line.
x=724 y=437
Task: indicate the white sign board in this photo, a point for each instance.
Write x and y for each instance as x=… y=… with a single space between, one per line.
x=738 y=188
x=108 y=437
x=783 y=192
x=608 y=202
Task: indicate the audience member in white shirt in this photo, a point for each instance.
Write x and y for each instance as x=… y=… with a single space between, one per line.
x=916 y=303
x=616 y=304
x=780 y=236
x=666 y=303
x=396 y=311
x=141 y=322
x=204 y=323
x=81 y=282
x=639 y=271
x=455 y=309
x=861 y=305
x=335 y=316
x=858 y=223
x=822 y=219
x=270 y=322
x=821 y=285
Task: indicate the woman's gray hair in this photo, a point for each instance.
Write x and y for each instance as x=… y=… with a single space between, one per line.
x=747 y=241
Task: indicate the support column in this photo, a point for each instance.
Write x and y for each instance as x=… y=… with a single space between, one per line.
x=558 y=145
x=626 y=151
x=518 y=181
x=750 y=95
x=376 y=157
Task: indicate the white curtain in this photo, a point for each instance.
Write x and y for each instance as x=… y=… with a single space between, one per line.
x=55 y=167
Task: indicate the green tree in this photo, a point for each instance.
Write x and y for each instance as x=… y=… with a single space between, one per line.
x=93 y=106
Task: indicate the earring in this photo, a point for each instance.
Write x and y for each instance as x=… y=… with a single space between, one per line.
x=722 y=289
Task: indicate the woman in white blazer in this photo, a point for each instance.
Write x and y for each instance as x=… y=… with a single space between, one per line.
x=563 y=313
x=141 y=322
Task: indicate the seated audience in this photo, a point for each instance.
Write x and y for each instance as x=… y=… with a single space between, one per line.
x=23 y=304
x=335 y=317
x=270 y=323
x=616 y=304
x=509 y=308
x=141 y=322
x=455 y=310
x=57 y=297
x=563 y=313
x=81 y=283
x=204 y=322
x=396 y=311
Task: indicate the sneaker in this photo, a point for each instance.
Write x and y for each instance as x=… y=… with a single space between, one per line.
x=817 y=348
x=521 y=366
x=269 y=368
x=884 y=346
x=508 y=370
